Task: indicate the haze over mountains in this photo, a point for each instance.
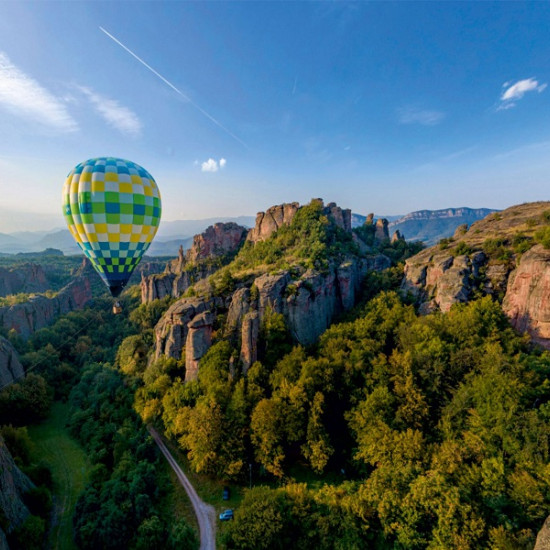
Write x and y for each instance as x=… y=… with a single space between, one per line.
x=428 y=226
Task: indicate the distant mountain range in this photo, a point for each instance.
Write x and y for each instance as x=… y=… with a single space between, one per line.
x=428 y=226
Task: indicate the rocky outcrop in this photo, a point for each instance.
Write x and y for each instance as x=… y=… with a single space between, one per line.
x=25 y=278
x=527 y=299
x=381 y=232
x=543 y=538
x=219 y=240
x=13 y=484
x=199 y=340
x=269 y=221
x=41 y=311
x=158 y=286
x=172 y=329
x=249 y=337
x=439 y=280
x=397 y=237
x=10 y=366
x=273 y=218
x=309 y=302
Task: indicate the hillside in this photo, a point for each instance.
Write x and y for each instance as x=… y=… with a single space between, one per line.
x=505 y=255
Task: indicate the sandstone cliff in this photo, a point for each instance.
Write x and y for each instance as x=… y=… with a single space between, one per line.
x=483 y=260
x=268 y=222
x=40 y=311
x=309 y=302
x=25 y=278
x=220 y=240
x=527 y=300
x=543 y=538
x=13 y=484
x=10 y=366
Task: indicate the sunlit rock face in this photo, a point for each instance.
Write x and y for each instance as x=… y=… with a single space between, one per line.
x=527 y=300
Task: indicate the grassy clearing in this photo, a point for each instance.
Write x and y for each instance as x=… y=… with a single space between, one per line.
x=69 y=467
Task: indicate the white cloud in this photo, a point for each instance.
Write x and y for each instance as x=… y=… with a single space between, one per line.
x=24 y=96
x=212 y=165
x=116 y=115
x=411 y=115
x=517 y=90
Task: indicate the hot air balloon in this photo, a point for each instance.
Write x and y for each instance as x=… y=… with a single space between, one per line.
x=112 y=207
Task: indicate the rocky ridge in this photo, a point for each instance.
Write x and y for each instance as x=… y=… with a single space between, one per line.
x=40 y=311
x=10 y=366
x=26 y=278
x=218 y=241
x=482 y=261
x=13 y=484
x=309 y=299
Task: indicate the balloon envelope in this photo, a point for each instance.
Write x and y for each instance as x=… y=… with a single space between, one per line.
x=112 y=207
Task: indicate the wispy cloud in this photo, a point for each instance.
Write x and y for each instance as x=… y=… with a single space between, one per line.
x=212 y=165
x=516 y=91
x=411 y=115
x=25 y=97
x=116 y=115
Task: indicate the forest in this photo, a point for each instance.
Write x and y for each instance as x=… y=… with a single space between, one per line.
x=393 y=430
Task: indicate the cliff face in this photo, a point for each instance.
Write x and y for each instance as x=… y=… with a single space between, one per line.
x=218 y=240
x=10 y=366
x=309 y=303
x=25 y=278
x=543 y=537
x=527 y=300
x=269 y=221
x=40 y=311
x=282 y=214
x=438 y=278
x=13 y=484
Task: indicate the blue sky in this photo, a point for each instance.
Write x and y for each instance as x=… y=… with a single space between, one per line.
x=381 y=107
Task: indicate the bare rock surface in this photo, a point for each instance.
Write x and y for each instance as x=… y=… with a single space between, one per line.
x=10 y=366
x=13 y=484
x=527 y=300
x=40 y=311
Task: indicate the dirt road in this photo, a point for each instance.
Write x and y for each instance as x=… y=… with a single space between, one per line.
x=206 y=515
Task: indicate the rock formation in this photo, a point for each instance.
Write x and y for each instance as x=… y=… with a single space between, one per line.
x=275 y=217
x=199 y=339
x=26 y=278
x=397 y=237
x=381 y=232
x=527 y=299
x=269 y=221
x=309 y=302
x=249 y=337
x=10 y=366
x=13 y=484
x=439 y=276
x=543 y=538
x=40 y=311
x=219 y=240
x=172 y=329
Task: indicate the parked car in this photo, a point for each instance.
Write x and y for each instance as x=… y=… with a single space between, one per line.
x=226 y=515
x=226 y=494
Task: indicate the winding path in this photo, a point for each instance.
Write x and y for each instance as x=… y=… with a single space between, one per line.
x=206 y=515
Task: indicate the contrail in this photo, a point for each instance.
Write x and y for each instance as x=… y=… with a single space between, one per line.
x=187 y=98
